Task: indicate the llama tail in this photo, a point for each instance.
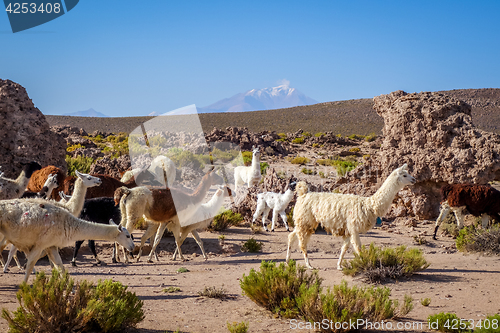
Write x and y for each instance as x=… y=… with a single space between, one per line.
x=301 y=188
x=119 y=192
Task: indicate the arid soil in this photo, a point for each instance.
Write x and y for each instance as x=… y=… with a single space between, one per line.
x=466 y=284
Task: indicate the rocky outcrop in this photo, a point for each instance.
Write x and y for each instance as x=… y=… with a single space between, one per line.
x=111 y=167
x=245 y=139
x=25 y=135
x=434 y=134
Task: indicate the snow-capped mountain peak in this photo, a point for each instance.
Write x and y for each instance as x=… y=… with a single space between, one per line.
x=278 y=97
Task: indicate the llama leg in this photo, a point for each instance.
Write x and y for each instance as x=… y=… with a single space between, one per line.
x=291 y=239
x=94 y=252
x=275 y=218
x=260 y=208
x=159 y=235
x=175 y=227
x=264 y=217
x=150 y=231
x=183 y=237
x=459 y=216
x=284 y=218
x=303 y=240
x=356 y=243
x=32 y=257
x=115 y=257
x=199 y=242
x=54 y=257
x=345 y=246
x=78 y=244
x=485 y=219
x=12 y=253
x=443 y=213
x=16 y=259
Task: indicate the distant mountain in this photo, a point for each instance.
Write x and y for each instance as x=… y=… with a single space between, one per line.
x=260 y=99
x=87 y=113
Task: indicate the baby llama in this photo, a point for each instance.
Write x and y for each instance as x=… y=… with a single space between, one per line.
x=276 y=201
x=344 y=215
x=249 y=175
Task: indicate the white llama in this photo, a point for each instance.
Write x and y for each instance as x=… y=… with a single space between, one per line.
x=33 y=227
x=249 y=175
x=345 y=215
x=276 y=201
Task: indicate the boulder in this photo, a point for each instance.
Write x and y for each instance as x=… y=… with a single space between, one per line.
x=25 y=134
x=434 y=134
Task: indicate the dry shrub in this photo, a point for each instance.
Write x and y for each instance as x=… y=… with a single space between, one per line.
x=57 y=304
x=473 y=239
x=289 y=291
x=377 y=264
x=224 y=220
x=213 y=292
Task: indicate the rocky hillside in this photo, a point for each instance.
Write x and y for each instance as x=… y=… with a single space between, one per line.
x=342 y=117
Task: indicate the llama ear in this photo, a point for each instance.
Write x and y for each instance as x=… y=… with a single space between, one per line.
x=404 y=167
x=111 y=222
x=80 y=175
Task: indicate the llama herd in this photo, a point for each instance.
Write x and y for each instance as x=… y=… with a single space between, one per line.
x=38 y=216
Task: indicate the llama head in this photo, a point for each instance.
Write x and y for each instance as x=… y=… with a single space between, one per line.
x=403 y=176
x=88 y=180
x=124 y=237
x=292 y=185
x=51 y=181
x=255 y=152
x=212 y=177
x=64 y=197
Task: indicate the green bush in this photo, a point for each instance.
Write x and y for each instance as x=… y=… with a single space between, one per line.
x=355 y=150
x=282 y=135
x=289 y=291
x=182 y=158
x=370 y=137
x=247 y=157
x=263 y=167
x=447 y=322
x=80 y=163
x=349 y=304
x=74 y=147
x=319 y=134
x=377 y=264
x=344 y=167
x=425 y=301
x=289 y=218
x=57 y=304
x=236 y=327
x=276 y=288
x=356 y=137
x=316 y=145
x=114 y=308
x=308 y=171
x=490 y=325
x=225 y=219
x=298 y=140
x=473 y=239
x=299 y=160
x=306 y=134
x=251 y=246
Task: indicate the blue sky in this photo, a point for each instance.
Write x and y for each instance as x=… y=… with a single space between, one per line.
x=130 y=58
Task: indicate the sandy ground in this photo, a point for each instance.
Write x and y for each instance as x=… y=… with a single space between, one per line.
x=455 y=282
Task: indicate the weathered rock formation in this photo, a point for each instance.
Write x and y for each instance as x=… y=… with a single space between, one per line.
x=246 y=139
x=24 y=133
x=111 y=166
x=435 y=136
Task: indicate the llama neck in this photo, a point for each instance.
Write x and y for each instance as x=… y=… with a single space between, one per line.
x=22 y=180
x=200 y=192
x=382 y=199
x=287 y=196
x=48 y=192
x=75 y=204
x=82 y=230
x=209 y=209
x=255 y=163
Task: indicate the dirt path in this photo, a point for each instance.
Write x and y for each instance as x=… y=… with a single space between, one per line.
x=464 y=284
